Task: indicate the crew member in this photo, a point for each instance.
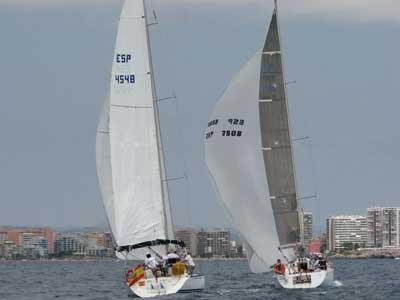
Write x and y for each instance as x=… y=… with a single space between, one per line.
x=150 y=263
x=279 y=267
x=171 y=258
x=190 y=265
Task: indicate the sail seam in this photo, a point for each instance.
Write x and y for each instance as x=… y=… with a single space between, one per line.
x=129 y=106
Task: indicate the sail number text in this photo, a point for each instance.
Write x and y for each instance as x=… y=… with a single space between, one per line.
x=226 y=133
x=236 y=122
x=212 y=123
x=231 y=133
x=125 y=79
x=123 y=58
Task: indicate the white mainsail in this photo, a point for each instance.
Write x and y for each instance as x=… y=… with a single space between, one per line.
x=130 y=161
x=249 y=156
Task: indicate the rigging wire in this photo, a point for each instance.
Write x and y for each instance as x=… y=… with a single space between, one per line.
x=166 y=42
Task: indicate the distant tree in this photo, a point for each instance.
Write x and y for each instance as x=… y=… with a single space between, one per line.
x=348 y=246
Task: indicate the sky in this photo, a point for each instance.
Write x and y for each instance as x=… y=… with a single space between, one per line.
x=55 y=63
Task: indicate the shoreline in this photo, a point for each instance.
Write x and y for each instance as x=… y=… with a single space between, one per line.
x=109 y=259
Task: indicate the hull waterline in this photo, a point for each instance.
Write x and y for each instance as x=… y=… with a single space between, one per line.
x=195 y=283
x=155 y=287
x=306 y=280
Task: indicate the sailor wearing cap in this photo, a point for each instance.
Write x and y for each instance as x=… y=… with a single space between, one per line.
x=150 y=262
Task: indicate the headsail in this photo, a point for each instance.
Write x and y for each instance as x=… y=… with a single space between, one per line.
x=249 y=156
x=129 y=159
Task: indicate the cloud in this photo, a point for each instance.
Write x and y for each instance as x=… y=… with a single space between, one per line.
x=331 y=10
x=33 y=3
x=346 y=10
x=350 y=10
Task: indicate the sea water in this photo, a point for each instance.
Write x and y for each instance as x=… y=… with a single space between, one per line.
x=373 y=279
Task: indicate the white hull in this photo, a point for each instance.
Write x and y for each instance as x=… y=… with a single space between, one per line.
x=307 y=280
x=196 y=282
x=153 y=287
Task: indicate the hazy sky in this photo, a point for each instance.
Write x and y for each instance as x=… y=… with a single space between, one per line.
x=55 y=61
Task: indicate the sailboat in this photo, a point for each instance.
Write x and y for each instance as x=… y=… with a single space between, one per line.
x=131 y=165
x=248 y=149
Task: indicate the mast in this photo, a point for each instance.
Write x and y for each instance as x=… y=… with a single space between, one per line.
x=288 y=117
x=161 y=156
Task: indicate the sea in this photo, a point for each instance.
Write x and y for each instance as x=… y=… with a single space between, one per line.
x=367 y=279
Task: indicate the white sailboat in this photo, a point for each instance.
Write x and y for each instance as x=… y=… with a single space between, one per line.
x=130 y=161
x=249 y=155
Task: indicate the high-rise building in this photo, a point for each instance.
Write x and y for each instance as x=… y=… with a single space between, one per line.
x=34 y=245
x=383 y=227
x=214 y=242
x=374 y=228
x=189 y=237
x=70 y=244
x=345 y=231
x=306 y=227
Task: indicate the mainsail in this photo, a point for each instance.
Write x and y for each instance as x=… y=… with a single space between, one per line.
x=130 y=160
x=249 y=156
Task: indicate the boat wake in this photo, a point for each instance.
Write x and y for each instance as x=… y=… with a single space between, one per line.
x=336 y=283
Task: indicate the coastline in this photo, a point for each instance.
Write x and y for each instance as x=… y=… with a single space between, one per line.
x=111 y=259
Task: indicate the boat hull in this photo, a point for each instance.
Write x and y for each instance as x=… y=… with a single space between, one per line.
x=153 y=287
x=196 y=282
x=306 y=280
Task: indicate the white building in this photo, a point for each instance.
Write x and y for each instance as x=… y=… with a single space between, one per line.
x=214 y=242
x=383 y=227
x=34 y=245
x=346 y=230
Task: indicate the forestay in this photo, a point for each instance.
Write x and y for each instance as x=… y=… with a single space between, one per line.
x=129 y=153
x=249 y=157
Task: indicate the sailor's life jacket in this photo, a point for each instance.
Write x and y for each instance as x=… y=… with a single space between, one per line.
x=279 y=269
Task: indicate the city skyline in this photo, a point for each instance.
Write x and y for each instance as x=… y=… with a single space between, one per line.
x=48 y=169
x=375 y=233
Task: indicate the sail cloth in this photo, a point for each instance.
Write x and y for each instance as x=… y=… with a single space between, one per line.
x=275 y=136
x=258 y=192
x=128 y=159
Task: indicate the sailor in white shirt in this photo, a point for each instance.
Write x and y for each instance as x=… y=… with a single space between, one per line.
x=190 y=265
x=172 y=257
x=150 y=262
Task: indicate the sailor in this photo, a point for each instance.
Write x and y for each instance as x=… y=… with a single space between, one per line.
x=190 y=265
x=172 y=257
x=150 y=263
x=279 y=267
x=320 y=262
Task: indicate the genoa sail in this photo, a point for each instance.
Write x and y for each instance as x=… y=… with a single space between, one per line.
x=249 y=156
x=130 y=161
